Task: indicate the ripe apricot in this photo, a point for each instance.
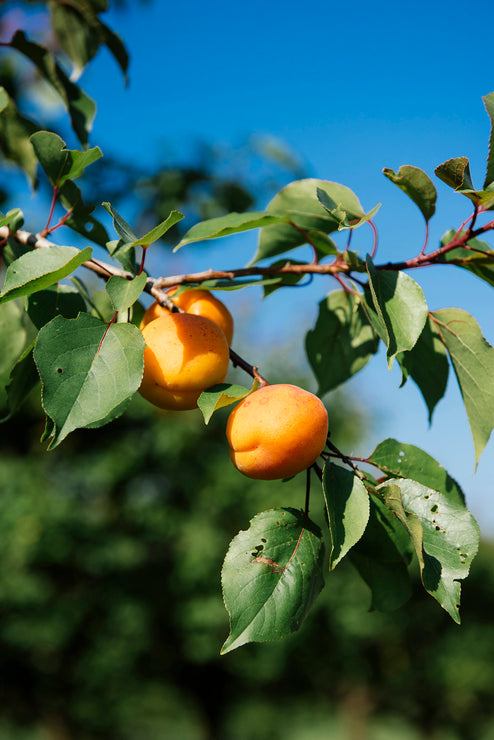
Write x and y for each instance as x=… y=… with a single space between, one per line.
x=277 y=431
x=184 y=354
x=199 y=302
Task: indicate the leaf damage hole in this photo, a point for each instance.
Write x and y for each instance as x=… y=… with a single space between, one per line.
x=60 y=370
x=434 y=508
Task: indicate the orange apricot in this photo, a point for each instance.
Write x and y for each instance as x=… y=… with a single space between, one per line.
x=199 y=302
x=277 y=431
x=184 y=354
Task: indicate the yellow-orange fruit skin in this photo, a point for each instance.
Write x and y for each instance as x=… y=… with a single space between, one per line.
x=200 y=303
x=184 y=354
x=276 y=432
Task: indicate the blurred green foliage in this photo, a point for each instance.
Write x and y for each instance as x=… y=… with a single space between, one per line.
x=111 y=616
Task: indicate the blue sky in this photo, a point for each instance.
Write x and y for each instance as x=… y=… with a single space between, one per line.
x=352 y=90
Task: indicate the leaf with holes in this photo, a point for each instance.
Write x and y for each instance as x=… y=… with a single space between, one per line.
x=444 y=534
x=401 y=306
x=408 y=461
x=347 y=506
x=341 y=342
x=271 y=576
x=473 y=362
x=41 y=268
x=89 y=371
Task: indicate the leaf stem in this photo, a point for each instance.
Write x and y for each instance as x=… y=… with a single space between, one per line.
x=46 y=231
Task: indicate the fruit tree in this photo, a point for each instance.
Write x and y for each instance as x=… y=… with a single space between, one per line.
x=384 y=510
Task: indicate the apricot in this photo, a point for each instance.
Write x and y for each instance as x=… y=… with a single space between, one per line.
x=199 y=302
x=276 y=432
x=184 y=354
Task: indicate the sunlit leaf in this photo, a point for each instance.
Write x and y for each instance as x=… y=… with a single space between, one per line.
x=123 y=293
x=232 y=223
x=473 y=362
x=401 y=306
x=347 y=507
x=408 y=461
x=221 y=395
x=41 y=268
x=444 y=534
x=271 y=576
x=89 y=371
x=417 y=185
x=299 y=200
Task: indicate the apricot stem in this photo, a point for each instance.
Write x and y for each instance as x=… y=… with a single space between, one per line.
x=251 y=370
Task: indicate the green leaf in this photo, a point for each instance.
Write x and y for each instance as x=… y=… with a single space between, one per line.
x=456 y=173
x=345 y=219
x=342 y=341
x=427 y=364
x=89 y=371
x=80 y=33
x=401 y=306
x=76 y=37
x=12 y=218
x=121 y=226
x=299 y=200
x=347 y=506
x=478 y=259
x=158 y=231
x=417 y=185
x=407 y=461
x=57 y=300
x=23 y=378
x=289 y=278
x=444 y=534
x=271 y=576
x=221 y=395
x=13 y=337
x=80 y=107
x=473 y=362
x=121 y=249
x=41 y=268
x=381 y=556
x=489 y=106
x=15 y=134
x=4 y=99
x=123 y=293
x=80 y=219
x=233 y=223
x=59 y=163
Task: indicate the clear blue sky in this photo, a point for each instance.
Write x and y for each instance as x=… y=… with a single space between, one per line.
x=351 y=89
